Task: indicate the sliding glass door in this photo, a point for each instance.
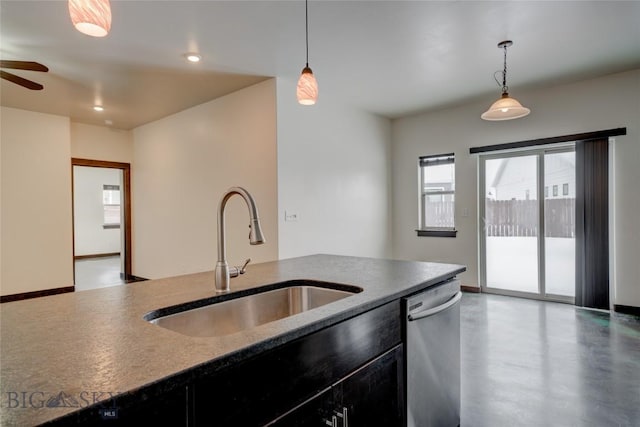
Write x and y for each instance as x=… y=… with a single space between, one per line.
x=527 y=217
x=560 y=223
x=511 y=223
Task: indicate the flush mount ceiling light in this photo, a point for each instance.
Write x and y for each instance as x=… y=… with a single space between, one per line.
x=91 y=17
x=193 y=57
x=307 y=91
x=505 y=108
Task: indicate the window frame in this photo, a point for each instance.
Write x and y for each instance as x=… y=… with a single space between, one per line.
x=111 y=225
x=423 y=163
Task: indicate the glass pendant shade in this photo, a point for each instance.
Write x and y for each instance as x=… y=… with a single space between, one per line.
x=505 y=108
x=91 y=17
x=307 y=87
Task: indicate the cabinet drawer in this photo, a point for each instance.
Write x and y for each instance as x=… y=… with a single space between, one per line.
x=266 y=386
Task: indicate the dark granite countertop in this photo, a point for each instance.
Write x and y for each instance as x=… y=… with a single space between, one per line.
x=91 y=345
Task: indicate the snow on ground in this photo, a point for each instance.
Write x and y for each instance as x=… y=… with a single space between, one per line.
x=512 y=263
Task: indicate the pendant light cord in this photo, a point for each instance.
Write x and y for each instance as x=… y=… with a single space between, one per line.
x=306 y=22
x=505 y=88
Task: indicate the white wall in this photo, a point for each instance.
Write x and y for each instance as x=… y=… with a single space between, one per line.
x=609 y=102
x=183 y=165
x=91 y=238
x=101 y=143
x=36 y=202
x=333 y=173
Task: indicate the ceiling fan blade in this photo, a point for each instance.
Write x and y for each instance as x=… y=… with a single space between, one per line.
x=23 y=65
x=20 y=81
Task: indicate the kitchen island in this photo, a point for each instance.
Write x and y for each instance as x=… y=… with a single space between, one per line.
x=91 y=357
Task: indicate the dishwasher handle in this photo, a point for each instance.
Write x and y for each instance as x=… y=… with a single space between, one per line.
x=436 y=310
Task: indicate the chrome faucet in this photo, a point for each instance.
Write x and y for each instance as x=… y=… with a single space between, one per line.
x=223 y=271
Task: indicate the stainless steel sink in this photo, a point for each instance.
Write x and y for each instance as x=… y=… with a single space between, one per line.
x=216 y=317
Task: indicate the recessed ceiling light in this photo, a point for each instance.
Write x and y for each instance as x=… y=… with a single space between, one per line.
x=193 y=57
x=98 y=108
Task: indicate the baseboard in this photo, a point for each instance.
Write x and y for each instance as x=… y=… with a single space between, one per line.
x=471 y=289
x=626 y=309
x=131 y=278
x=110 y=254
x=35 y=294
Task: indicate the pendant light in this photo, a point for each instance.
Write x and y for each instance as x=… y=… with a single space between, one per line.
x=505 y=108
x=91 y=17
x=307 y=91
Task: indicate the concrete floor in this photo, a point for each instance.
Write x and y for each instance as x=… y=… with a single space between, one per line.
x=534 y=363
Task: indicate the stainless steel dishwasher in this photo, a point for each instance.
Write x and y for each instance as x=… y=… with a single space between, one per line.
x=433 y=356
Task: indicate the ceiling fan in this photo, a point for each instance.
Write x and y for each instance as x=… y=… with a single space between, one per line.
x=22 y=65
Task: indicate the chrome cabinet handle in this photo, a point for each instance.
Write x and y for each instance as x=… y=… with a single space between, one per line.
x=333 y=422
x=345 y=419
x=344 y=416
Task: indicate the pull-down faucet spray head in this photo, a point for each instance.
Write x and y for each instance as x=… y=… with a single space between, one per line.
x=255 y=233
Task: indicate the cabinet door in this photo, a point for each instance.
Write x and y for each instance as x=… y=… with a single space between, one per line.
x=262 y=388
x=315 y=412
x=374 y=394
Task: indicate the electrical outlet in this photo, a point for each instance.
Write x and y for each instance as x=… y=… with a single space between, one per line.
x=291 y=216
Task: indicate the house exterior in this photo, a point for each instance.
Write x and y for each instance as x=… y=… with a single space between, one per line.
x=514 y=178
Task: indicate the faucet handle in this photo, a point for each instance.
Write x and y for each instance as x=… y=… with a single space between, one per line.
x=243 y=269
x=236 y=271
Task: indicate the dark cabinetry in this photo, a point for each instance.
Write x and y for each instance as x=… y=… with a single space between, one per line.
x=261 y=389
x=372 y=395
x=315 y=412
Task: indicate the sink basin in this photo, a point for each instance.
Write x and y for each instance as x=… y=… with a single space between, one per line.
x=228 y=314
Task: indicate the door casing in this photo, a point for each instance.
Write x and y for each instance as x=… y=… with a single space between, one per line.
x=126 y=203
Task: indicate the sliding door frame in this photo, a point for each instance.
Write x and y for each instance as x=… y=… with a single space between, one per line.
x=482 y=241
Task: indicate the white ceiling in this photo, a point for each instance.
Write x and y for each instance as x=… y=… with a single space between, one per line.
x=389 y=57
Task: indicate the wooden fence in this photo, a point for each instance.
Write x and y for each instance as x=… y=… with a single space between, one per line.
x=440 y=214
x=519 y=218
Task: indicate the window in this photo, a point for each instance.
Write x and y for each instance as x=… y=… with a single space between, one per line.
x=555 y=191
x=565 y=189
x=546 y=191
x=111 y=205
x=437 y=196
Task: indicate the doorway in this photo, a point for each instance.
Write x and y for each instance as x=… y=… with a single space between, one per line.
x=101 y=223
x=527 y=209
